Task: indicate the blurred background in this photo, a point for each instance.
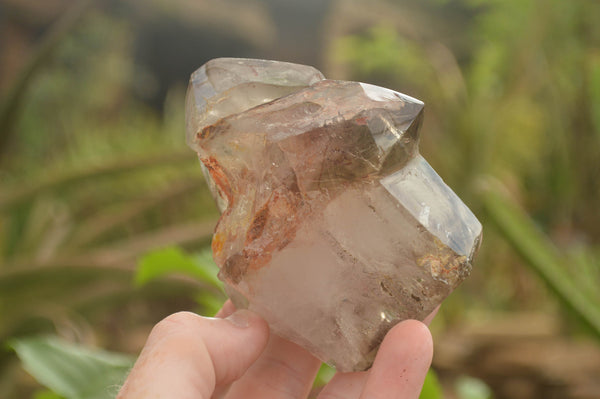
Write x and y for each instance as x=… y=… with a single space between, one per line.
x=105 y=221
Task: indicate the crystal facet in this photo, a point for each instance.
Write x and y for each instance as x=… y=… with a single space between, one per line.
x=333 y=227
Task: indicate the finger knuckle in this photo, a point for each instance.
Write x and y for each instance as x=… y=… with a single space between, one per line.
x=173 y=323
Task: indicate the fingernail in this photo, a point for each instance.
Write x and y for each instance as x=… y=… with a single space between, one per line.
x=240 y=318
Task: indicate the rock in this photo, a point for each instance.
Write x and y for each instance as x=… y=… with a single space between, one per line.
x=333 y=227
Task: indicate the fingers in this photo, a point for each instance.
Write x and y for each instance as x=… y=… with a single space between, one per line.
x=283 y=371
x=398 y=371
x=345 y=386
x=401 y=363
x=227 y=309
x=187 y=356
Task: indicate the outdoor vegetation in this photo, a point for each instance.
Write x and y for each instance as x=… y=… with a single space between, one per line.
x=105 y=221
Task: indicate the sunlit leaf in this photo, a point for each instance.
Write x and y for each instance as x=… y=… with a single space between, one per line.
x=324 y=375
x=431 y=387
x=472 y=388
x=70 y=370
x=47 y=395
x=173 y=260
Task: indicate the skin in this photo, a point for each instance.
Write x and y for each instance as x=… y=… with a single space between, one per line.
x=232 y=356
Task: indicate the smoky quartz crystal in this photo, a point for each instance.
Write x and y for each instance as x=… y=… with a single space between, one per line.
x=333 y=227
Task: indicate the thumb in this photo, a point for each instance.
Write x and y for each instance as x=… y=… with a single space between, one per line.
x=187 y=356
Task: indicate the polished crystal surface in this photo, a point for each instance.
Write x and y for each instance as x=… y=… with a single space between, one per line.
x=333 y=227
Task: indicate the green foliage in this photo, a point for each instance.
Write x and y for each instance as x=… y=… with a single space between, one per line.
x=77 y=372
x=172 y=260
x=10 y=106
x=472 y=388
x=72 y=371
x=47 y=395
x=431 y=387
x=93 y=181
x=324 y=375
x=200 y=267
x=82 y=201
x=538 y=251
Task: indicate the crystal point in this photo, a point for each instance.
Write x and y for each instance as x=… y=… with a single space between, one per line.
x=333 y=227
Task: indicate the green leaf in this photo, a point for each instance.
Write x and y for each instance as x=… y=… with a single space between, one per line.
x=47 y=395
x=23 y=193
x=472 y=388
x=541 y=255
x=171 y=260
x=70 y=370
x=325 y=374
x=210 y=302
x=431 y=387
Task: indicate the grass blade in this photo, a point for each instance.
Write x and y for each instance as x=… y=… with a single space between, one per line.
x=541 y=255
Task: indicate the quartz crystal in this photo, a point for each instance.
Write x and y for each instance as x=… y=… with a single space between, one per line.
x=333 y=227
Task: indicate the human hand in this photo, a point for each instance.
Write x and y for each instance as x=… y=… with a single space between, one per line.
x=232 y=356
